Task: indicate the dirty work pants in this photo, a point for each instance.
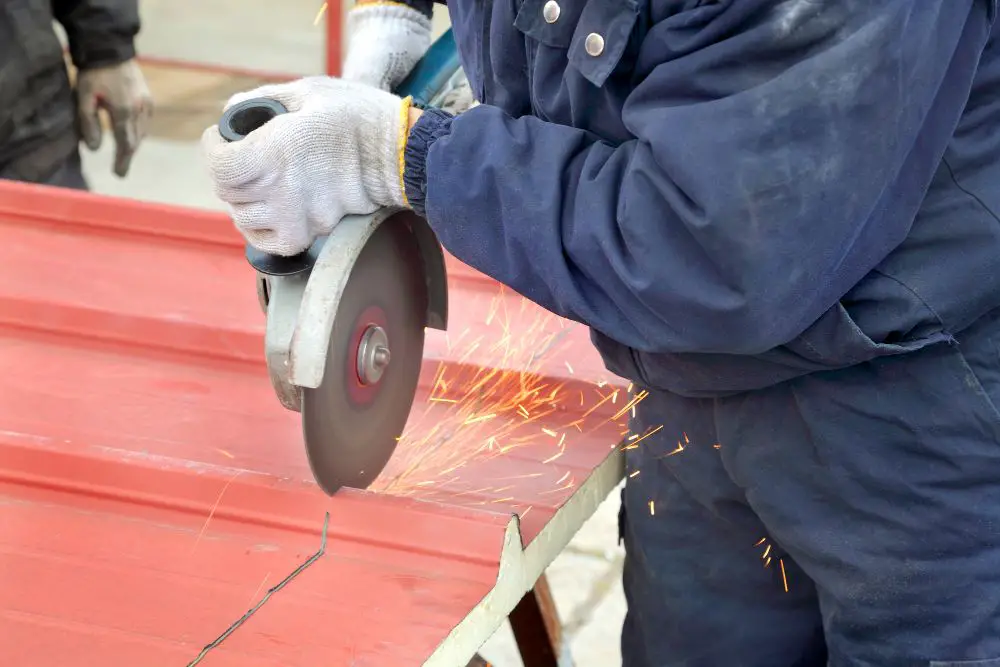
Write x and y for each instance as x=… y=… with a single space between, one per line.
x=68 y=173
x=875 y=493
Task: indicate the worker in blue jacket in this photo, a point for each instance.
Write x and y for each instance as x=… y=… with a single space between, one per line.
x=779 y=218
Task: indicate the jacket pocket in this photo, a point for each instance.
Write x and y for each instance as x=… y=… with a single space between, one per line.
x=880 y=318
x=592 y=36
x=600 y=38
x=549 y=22
x=837 y=341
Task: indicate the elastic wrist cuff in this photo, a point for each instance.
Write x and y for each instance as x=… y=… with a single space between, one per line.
x=431 y=125
x=404 y=125
x=101 y=53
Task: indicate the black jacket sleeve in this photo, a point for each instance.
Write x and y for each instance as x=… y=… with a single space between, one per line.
x=100 y=32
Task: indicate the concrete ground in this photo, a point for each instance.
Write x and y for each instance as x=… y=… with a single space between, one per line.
x=282 y=37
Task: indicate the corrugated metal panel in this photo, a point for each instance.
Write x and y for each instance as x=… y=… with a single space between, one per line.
x=154 y=488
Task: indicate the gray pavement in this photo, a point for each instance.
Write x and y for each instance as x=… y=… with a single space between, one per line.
x=586 y=578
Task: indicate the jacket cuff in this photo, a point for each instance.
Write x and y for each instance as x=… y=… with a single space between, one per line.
x=92 y=53
x=431 y=125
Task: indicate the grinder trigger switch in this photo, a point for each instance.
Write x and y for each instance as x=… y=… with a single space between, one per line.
x=236 y=123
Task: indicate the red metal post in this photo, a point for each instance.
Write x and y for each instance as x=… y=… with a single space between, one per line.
x=334 y=36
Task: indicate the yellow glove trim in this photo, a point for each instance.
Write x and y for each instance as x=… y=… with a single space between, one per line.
x=404 y=135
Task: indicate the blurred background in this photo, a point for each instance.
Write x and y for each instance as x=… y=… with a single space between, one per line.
x=195 y=55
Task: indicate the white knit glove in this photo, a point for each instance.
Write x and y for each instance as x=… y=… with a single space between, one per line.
x=386 y=41
x=120 y=90
x=337 y=152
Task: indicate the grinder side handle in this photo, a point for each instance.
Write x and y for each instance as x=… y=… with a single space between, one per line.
x=236 y=123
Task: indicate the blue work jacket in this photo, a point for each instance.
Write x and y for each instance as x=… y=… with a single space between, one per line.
x=730 y=193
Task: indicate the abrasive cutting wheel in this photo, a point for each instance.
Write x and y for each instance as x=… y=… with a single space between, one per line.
x=353 y=420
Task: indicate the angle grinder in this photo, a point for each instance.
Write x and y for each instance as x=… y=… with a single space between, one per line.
x=346 y=318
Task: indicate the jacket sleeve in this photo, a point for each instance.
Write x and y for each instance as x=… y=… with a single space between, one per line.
x=100 y=32
x=769 y=172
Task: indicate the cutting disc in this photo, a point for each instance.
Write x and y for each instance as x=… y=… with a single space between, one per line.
x=353 y=420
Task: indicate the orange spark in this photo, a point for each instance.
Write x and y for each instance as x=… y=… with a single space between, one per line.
x=635 y=444
x=259 y=588
x=568 y=485
x=215 y=506
x=680 y=448
x=628 y=406
x=525 y=476
x=319 y=15
x=481 y=418
x=553 y=457
x=479 y=408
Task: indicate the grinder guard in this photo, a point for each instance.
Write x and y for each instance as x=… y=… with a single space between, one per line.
x=301 y=308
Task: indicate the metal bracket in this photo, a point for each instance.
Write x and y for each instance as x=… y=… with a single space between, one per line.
x=284 y=295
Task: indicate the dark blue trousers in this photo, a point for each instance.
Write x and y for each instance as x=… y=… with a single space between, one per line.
x=873 y=492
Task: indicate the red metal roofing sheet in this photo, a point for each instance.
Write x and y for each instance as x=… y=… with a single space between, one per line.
x=154 y=488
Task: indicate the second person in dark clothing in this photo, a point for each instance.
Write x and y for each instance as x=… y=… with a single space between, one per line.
x=42 y=117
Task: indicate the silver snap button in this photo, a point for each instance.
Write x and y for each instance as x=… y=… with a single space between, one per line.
x=594 y=44
x=551 y=11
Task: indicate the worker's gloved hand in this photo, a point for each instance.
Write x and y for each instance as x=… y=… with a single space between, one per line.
x=121 y=90
x=339 y=151
x=386 y=41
